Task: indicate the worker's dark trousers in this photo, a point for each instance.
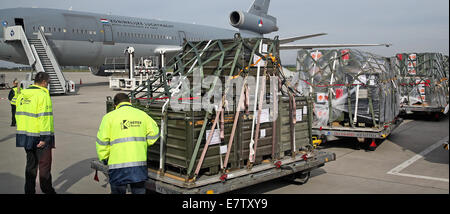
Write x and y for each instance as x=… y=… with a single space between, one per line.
x=13 y=113
x=136 y=188
x=41 y=158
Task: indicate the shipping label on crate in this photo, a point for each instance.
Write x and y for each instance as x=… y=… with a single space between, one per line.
x=316 y=55
x=345 y=55
x=412 y=63
x=321 y=111
x=215 y=138
x=339 y=93
x=421 y=86
x=298 y=115
x=223 y=149
x=363 y=94
x=422 y=90
x=412 y=57
x=265 y=116
x=257 y=60
x=262 y=133
x=372 y=79
x=322 y=97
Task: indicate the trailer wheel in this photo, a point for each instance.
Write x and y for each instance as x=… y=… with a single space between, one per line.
x=302 y=177
x=298 y=178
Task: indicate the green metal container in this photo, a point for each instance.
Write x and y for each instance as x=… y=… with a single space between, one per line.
x=264 y=147
x=183 y=130
x=302 y=128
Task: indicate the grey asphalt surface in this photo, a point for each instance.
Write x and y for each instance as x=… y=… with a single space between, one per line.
x=77 y=118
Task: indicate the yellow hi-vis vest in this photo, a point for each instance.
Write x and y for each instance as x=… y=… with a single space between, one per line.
x=34 y=116
x=13 y=101
x=124 y=135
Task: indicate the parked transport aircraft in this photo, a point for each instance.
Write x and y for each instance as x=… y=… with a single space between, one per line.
x=88 y=39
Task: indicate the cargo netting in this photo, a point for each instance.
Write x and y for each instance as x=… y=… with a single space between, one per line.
x=423 y=79
x=195 y=140
x=349 y=87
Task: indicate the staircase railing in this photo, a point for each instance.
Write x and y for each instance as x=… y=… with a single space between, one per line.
x=54 y=62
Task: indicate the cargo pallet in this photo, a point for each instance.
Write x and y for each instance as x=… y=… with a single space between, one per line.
x=437 y=112
x=361 y=133
x=298 y=167
x=186 y=160
x=423 y=79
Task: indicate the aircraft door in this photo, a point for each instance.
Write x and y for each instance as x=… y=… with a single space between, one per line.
x=182 y=37
x=107 y=30
x=19 y=21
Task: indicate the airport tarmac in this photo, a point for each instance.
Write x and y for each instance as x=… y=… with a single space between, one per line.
x=411 y=161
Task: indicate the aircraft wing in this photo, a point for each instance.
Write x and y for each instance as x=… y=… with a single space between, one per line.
x=312 y=46
x=293 y=39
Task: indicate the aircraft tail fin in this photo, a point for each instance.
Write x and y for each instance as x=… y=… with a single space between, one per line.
x=256 y=20
x=259 y=7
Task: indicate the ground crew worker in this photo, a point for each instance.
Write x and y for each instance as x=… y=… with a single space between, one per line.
x=13 y=93
x=35 y=132
x=122 y=141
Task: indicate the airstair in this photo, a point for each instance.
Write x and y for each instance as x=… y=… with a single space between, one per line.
x=41 y=58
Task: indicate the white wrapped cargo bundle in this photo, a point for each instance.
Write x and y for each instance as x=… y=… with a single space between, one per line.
x=423 y=79
x=358 y=87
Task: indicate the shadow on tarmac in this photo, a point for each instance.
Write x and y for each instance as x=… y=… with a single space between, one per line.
x=11 y=184
x=271 y=185
x=72 y=174
x=424 y=116
x=349 y=143
x=93 y=84
x=7 y=138
x=415 y=136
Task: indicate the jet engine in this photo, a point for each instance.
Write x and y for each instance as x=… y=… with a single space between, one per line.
x=251 y=22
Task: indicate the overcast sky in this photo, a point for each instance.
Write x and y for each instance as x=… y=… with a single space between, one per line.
x=410 y=25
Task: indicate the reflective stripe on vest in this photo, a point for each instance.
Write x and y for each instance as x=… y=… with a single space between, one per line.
x=153 y=137
x=124 y=136
x=127 y=139
x=103 y=143
x=31 y=134
x=124 y=165
x=14 y=99
x=34 y=112
x=35 y=115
